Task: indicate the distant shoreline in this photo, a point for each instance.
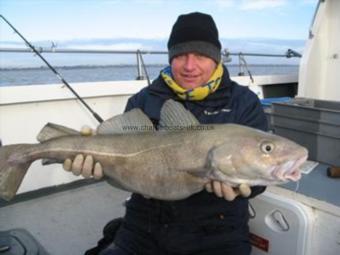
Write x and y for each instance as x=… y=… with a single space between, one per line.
x=70 y=67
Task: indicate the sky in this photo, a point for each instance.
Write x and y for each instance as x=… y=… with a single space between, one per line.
x=60 y=20
x=256 y=26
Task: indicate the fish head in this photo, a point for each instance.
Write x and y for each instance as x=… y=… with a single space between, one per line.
x=257 y=158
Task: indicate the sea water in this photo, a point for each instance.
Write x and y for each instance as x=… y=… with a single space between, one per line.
x=16 y=76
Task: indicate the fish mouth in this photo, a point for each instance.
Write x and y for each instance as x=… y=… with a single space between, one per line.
x=289 y=171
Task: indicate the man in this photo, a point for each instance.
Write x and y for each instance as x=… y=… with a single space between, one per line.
x=214 y=221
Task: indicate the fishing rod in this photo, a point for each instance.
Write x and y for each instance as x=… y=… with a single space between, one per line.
x=95 y=115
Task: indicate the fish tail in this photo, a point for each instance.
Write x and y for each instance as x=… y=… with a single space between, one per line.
x=13 y=167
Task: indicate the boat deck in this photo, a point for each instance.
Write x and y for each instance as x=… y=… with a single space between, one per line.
x=68 y=221
x=318 y=185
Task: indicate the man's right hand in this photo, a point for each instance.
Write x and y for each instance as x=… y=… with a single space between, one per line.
x=84 y=165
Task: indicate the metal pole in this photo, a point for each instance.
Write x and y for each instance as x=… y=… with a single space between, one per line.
x=140 y=75
x=144 y=68
x=78 y=51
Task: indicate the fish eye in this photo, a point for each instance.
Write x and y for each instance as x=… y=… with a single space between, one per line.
x=267 y=147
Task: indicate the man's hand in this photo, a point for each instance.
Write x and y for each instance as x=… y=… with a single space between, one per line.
x=84 y=166
x=227 y=192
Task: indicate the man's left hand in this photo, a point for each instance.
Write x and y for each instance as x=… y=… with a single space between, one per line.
x=227 y=192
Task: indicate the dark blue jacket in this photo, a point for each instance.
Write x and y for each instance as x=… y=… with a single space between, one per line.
x=231 y=103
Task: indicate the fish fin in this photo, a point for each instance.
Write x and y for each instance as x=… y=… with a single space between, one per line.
x=12 y=170
x=47 y=161
x=201 y=173
x=173 y=114
x=220 y=159
x=51 y=130
x=133 y=121
x=116 y=184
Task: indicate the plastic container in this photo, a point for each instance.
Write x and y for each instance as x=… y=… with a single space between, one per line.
x=312 y=123
x=267 y=107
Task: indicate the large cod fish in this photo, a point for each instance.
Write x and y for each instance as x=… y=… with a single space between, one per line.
x=171 y=163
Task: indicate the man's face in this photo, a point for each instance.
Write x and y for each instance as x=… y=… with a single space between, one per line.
x=192 y=70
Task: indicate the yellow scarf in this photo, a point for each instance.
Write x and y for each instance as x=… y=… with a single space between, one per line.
x=198 y=93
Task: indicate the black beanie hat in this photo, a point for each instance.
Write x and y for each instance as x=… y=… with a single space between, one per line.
x=195 y=32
